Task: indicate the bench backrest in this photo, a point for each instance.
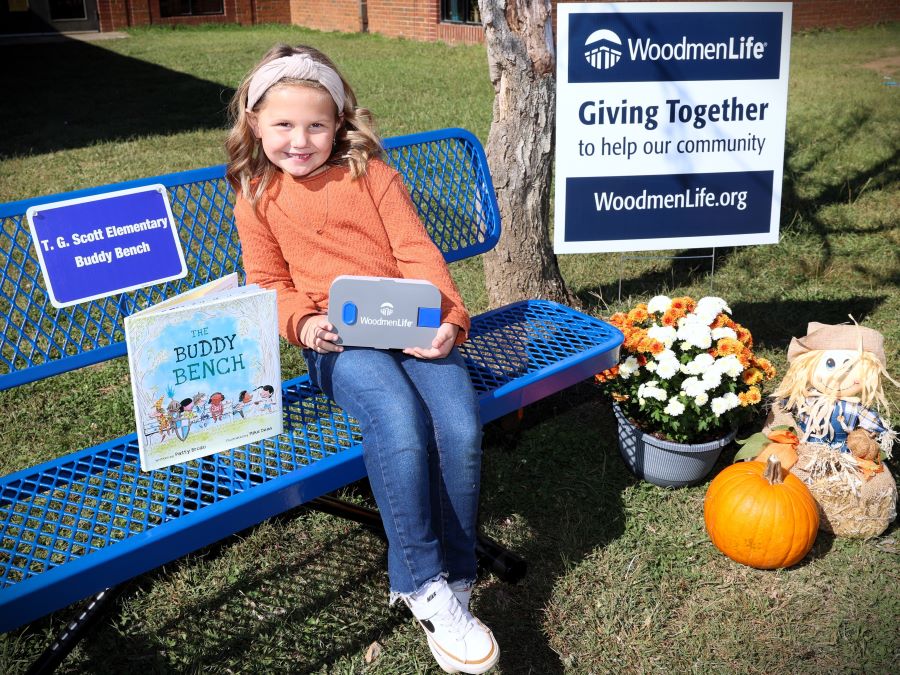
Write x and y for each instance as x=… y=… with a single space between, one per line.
x=445 y=171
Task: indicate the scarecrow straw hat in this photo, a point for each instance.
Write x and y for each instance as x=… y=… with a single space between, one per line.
x=821 y=336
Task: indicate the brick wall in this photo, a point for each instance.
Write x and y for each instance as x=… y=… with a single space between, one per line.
x=117 y=14
x=419 y=19
x=810 y=14
x=341 y=15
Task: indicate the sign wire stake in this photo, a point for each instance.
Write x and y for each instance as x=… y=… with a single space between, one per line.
x=711 y=256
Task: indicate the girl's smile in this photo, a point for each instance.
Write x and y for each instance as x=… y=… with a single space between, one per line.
x=297 y=125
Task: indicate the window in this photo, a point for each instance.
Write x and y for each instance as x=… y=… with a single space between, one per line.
x=460 y=11
x=190 y=7
x=60 y=10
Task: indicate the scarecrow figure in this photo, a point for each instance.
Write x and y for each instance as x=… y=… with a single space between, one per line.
x=832 y=394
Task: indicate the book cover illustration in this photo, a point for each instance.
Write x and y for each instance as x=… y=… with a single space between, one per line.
x=205 y=372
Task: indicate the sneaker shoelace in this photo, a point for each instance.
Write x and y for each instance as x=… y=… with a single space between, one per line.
x=454 y=620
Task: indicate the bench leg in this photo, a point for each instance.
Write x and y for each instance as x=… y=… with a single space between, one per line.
x=73 y=632
x=492 y=557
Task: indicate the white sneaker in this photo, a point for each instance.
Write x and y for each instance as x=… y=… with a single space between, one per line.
x=458 y=641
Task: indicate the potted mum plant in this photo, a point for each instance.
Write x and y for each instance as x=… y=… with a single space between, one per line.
x=686 y=379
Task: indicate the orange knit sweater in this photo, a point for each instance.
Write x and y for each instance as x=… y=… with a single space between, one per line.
x=314 y=229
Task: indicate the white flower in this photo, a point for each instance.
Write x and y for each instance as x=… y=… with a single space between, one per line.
x=723 y=332
x=712 y=378
x=628 y=367
x=659 y=304
x=651 y=390
x=693 y=386
x=667 y=355
x=729 y=365
x=718 y=406
x=694 y=333
x=665 y=334
x=651 y=366
x=731 y=400
x=674 y=407
x=701 y=399
x=667 y=368
x=708 y=308
x=724 y=403
x=699 y=364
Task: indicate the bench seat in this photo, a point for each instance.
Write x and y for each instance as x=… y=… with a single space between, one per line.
x=92 y=519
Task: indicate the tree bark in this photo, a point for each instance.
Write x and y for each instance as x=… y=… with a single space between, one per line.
x=522 y=62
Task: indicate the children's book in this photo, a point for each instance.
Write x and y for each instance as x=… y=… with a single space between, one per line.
x=205 y=372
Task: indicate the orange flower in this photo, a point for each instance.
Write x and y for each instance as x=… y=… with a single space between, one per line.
x=726 y=346
x=619 y=397
x=766 y=366
x=607 y=375
x=744 y=335
x=670 y=317
x=753 y=395
x=745 y=357
x=752 y=376
x=684 y=304
x=638 y=314
x=651 y=346
x=633 y=338
x=657 y=347
x=619 y=320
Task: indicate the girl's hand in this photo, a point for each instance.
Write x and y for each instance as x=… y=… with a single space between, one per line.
x=318 y=334
x=441 y=345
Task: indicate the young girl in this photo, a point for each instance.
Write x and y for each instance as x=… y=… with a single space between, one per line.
x=315 y=201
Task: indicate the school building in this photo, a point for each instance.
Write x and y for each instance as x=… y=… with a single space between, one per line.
x=453 y=21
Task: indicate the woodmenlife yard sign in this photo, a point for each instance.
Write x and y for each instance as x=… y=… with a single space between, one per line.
x=670 y=125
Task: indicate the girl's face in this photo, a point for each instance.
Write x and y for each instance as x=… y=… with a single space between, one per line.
x=834 y=376
x=296 y=125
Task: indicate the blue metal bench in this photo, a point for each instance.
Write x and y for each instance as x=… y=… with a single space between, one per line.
x=91 y=519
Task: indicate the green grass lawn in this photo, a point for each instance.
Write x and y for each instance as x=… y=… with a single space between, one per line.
x=622 y=577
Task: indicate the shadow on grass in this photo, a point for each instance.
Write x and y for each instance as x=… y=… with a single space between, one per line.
x=776 y=321
x=69 y=94
x=304 y=613
x=806 y=194
x=559 y=486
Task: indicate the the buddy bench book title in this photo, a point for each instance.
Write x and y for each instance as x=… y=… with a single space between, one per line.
x=205 y=372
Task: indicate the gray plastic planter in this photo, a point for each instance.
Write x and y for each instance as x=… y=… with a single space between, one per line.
x=664 y=462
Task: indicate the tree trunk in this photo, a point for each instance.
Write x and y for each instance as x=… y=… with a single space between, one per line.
x=519 y=39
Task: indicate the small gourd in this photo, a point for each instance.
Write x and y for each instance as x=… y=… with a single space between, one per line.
x=784 y=446
x=760 y=515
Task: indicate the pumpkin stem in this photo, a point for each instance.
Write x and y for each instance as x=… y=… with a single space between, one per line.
x=773 y=472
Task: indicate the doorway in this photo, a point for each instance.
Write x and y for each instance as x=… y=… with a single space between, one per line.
x=48 y=16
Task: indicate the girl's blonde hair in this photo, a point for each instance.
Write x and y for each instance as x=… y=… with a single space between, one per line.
x=795 y=386
x=249 y=171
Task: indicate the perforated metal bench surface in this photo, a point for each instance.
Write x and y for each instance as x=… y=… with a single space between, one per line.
x=91 y=519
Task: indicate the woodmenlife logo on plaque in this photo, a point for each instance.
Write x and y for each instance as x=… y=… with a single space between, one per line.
x=670 y=125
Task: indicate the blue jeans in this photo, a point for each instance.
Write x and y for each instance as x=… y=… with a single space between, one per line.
x=422 y=450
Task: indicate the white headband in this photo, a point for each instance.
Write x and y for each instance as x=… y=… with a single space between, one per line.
x=298 y=66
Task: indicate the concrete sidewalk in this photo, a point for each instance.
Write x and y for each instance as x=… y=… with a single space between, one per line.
x=38 y=38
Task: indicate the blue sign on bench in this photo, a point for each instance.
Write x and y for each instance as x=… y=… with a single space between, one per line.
x=100 y=245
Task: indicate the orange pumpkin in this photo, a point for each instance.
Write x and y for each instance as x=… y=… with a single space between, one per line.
x=760 y=515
